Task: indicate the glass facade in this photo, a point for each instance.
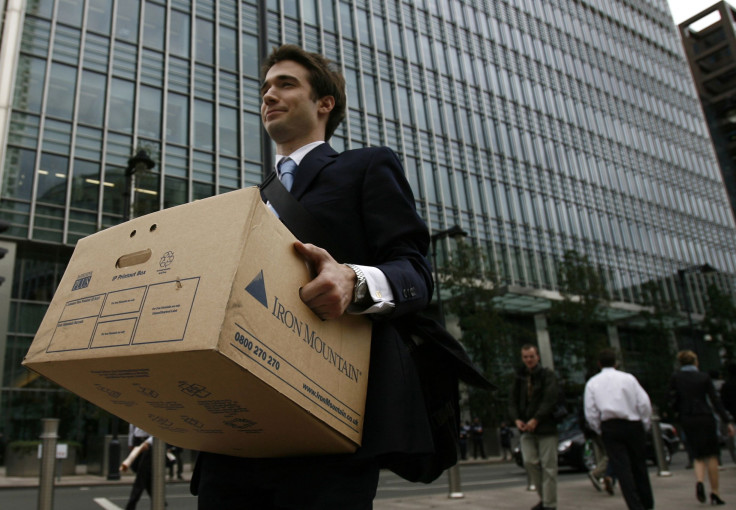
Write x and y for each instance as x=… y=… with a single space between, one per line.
x=538 y=127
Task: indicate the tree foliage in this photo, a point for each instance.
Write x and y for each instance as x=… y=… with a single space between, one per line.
x=491 y=340
x=720 y=320
x=577 y=322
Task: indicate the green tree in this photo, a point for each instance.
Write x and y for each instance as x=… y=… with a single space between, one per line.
x=490 y=339
x=720 y=315
x=654 y=359
x=577 y=322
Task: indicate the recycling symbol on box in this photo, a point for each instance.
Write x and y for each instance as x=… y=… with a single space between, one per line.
x=166 y=259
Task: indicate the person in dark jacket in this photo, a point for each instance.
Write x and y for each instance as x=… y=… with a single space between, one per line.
x=694 y=398
x=728 y=398
x=531 y=404
x=363 y=199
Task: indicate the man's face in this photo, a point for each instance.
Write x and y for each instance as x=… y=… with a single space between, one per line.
x=288 y=111
x=530 y=358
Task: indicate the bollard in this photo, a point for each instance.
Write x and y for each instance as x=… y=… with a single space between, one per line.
x=662 y=467
x=113 y=456
x=454 y=479
x=49 y=438
x=158 y=474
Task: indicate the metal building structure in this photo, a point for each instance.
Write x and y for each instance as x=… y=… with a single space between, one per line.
x=709 y=39
x=537 y=127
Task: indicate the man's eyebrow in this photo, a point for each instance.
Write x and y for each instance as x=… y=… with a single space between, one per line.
x=280 y=77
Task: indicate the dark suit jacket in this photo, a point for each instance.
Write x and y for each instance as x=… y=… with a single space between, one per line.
x=690 y=393
x=362 y=198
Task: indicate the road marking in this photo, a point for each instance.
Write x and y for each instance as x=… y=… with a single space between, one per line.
x=411 y=488
x=107 y=504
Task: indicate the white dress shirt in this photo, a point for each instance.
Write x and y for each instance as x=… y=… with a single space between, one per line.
x=612 y=394
x=379 y=289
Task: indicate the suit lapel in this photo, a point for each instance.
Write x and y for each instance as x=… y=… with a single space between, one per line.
x=312 y=164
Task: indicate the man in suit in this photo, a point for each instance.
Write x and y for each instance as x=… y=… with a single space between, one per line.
x=362 y=198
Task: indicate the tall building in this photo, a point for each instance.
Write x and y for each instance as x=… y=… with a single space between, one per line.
x=709 y=39
x=537 y=127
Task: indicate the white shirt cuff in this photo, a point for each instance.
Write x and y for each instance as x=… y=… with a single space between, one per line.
x=379 y=291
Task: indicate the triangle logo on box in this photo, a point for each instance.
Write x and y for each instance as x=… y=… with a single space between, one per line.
x=257 y=289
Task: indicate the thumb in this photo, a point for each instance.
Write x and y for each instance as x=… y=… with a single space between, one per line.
x=314 y=255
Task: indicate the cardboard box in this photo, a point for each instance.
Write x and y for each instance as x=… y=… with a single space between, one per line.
x=188 y=323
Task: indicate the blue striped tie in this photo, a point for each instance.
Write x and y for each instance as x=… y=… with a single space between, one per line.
x=287 y=167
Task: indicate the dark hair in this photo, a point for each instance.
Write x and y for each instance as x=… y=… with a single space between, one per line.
x=323 y=77
x=526 y=347
x=687 y=358
x=607 y=358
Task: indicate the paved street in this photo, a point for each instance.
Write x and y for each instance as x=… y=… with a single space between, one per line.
x=485 y=485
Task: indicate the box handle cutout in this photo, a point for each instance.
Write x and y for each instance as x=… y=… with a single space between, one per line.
x=133 y=259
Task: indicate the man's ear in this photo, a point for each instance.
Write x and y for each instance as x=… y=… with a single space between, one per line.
x=326 y=104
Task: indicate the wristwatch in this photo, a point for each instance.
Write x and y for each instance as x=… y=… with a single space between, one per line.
x=361 y=285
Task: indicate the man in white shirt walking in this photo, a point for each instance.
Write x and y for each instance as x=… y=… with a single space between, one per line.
x=618 y=408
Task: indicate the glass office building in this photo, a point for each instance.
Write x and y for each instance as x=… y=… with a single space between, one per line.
x=537 y=127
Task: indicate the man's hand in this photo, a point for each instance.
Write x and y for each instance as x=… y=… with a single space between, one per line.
x=531 y=425
x=331 y=291
x=520 y=425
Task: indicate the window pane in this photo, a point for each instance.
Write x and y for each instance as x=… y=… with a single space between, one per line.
x=70 y=11
x=18 y=174
x=149 y=112
x=62 y=83
x=228 y=131
x=203 y=125
x=86 y=185
x=92 y=98
x=127 y=20
x=175 y=192
x=250 y=55
x=121 y=106
x=177 y=119
x=252 y=136
x=228 y=49
x=52 y=175
x=154 y=27
x=29 y=84
x=99 y=13
x=179 y=34
x=204 y=48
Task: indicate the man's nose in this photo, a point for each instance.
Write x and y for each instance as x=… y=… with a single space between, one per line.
x=268 y=96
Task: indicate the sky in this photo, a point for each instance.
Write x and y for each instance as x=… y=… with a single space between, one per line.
x=684 y=9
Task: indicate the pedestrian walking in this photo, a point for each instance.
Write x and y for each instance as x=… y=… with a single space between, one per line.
x=694 y=399
x=139 y=460
x=618 y=408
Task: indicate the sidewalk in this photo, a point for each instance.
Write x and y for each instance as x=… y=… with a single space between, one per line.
x=675 y=492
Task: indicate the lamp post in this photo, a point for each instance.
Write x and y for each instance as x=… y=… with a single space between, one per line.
x=455 y=491
x=138 y=163
x=454 y=232
x=705 y=268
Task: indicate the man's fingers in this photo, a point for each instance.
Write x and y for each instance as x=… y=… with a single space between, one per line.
x=312 y=254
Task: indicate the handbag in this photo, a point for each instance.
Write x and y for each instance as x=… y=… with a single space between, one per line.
x=440 y=360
